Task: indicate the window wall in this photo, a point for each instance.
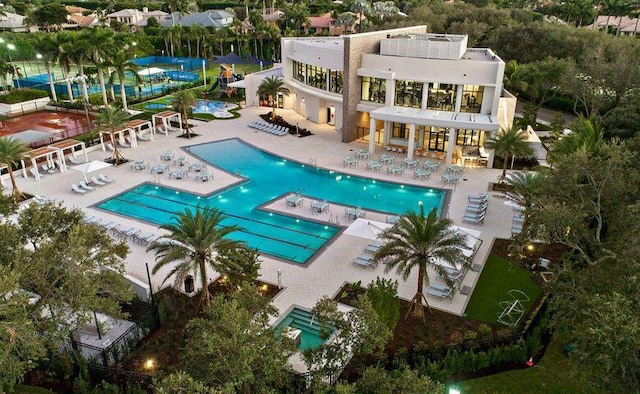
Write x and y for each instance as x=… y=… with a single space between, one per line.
x=299 y=72
x=316 y=77
x=438 y=138
x=468 y=137
x=373 y=89
x=335 y=81
x=408 y=93
x=442 y=96
x=472 y=98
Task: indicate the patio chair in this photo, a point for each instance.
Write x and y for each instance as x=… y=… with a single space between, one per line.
x=47 y=169
x=85 y=186
x=97 y=181
x=76 y=189
x=105 y=178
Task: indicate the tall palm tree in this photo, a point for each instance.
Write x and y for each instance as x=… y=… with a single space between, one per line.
x=199 y=32
x=588 y=134
x=112 y=120
x=99 y=45
x=196 y=239
x=509 y=142
x=121 y=64
x=416 y=241
x=183 y=102
x=525 y=186
x=11 y=152
x=514 y=78
x=64 y=45
x=271 y=86
x=45 y=45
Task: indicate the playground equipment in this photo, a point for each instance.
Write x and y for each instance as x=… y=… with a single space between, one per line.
x=512 y=309
x=224 y=78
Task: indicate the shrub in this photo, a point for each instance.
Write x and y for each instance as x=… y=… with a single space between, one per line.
x=484 y=330
x=383 y=294
x=20 y=95
x=470 y=335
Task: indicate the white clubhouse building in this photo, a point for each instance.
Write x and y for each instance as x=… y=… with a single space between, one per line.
x=403 y=89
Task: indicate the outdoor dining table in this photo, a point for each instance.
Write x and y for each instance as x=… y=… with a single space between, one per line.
x=350 y=161
x=422 y=174
x=294 y=200
x=202 y=176
x=362 y=154
x=177 y=174
x=319 y=206
x=387 y=159
x=450 y=178
x=431 y=165
x=138 y=165
x=374 y=165
x=409 y=163
x=197 y=167
x=159 y=169
x=354 y=213
x=395 y=170
x=454 y=170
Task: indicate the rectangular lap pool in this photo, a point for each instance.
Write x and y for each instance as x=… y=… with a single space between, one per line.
x=269 y=177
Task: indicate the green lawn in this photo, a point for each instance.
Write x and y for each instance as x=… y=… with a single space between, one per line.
x=550 y=375
x=497 y=278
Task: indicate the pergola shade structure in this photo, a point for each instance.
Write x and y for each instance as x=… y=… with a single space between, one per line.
x=70 y=145
x=48 y=154
x=141 y=127
x=119 y=136
x=164 y=118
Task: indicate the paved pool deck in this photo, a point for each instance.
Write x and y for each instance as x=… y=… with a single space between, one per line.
x=325 y=275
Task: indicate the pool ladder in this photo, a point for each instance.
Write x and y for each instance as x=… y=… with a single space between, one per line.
x=313 y=161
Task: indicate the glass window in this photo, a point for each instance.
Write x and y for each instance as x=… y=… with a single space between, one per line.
x=468 y=137
x=471 y=98
x=299 y=72
x=438 y=139
x=441 y=96
x=408 y=93
x=373 y=89
x=335 y=81
x=317 y=77
x=400 y=130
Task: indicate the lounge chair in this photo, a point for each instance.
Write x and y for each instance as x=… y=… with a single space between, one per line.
x=372 y=248
x=365 y=261
x=85 y=186
x=73 y=160
x=544 y=263
x=110 y=147
x=473 y=218
x=108 y=225
x=41 y=200
x=47 y=169
x=440 y=290
x=97 y=181
x=143 y=137
x=76 y=189
x=123 y=143
x=105 y=178
x=34 y=171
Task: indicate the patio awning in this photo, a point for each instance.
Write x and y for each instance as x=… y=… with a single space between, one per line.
x=428 y=117
x=241 y=84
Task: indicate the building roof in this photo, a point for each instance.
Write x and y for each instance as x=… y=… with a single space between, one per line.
x=72 y=9
x=626 y=24
x=422 y=117
x=211 y=18
x=322 y=21
x=124 y=12
x=11 y=21
x=84 y=21
x=273 y=16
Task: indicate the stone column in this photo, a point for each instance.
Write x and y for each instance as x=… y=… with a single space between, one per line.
x=452 y=144
x=412 y=140
x=372 y=136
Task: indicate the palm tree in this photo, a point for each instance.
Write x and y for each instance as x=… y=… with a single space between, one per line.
x=11 y=152
x=346 y=20
x=271 y=86
x=183 y=102
x=64 y=43
x=514 y=78
x=45 y=45
x=199 y=32
x=524 y=187
x=197 y=238
x=587 y=134
x=99 y=44
x=121 y=64
x=419 y=241
x=509 y=142
x=112 y=120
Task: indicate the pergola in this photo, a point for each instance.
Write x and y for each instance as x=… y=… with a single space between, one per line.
x=71 y=145
x=120 y=136
x=140 y=127
x=165 y=117
x=48 y=154
x=2 y=168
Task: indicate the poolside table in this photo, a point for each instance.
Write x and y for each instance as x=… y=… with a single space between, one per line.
x=431 y=165
x=454 y=170
x=354 y=213
x=409 y=163
x=349 y=161
x=197 y=167
x=395 y=170
x=159 y=169
x=422 y=174
x=450 y=178
x=177 y=174
x=362 y=154
x=374 y=165
x=294 y=200
x=387 y=159
x=202 y=176
x=319 y=206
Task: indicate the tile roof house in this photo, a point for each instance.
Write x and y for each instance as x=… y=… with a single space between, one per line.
x=136 y=18
x=627 y=26
x=322 y=23
x=216 y=19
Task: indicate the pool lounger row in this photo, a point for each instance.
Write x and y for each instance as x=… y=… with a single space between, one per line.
x=136 y=235
x=269 y=128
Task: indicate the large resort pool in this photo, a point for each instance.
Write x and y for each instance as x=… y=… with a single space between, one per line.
x=267 y=177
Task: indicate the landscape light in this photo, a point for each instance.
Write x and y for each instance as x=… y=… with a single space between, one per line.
x=149 y=364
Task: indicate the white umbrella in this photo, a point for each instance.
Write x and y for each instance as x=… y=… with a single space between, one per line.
x=368 y=229
x=90 y=166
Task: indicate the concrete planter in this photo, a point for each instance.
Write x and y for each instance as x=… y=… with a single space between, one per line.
x=24 y=106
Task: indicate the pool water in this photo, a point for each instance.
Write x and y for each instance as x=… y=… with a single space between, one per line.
x=213 y=107
x=302 y=320
x=268 y=177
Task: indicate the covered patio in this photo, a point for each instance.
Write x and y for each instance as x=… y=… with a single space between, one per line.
x=119 y=136
x=70 y=145
x=48 y=154
x=141 y=128
x=165 y=118
x=451 y=121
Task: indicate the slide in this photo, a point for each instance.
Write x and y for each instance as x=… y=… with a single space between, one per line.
x=215 y=85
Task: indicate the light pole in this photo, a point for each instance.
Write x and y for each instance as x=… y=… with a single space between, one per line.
x=10 y=48
x=39 y=57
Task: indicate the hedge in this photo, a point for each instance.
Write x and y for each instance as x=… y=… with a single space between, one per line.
x=20 y=95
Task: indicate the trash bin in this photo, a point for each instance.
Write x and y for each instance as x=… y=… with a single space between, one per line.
x=188 y=284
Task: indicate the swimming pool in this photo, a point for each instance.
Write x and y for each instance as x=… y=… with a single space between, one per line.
x=217 y=108
x=269 y=177
x=311 y=335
